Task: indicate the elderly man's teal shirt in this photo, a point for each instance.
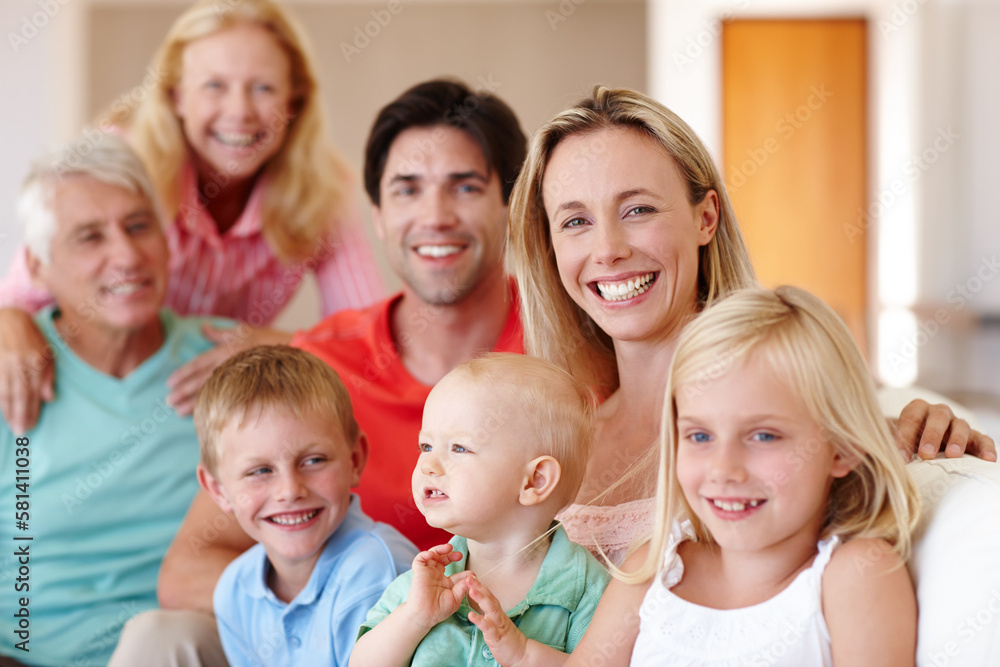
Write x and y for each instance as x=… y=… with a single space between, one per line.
x=109 y=475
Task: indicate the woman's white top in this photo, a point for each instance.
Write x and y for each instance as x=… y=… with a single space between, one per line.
x=787 y=630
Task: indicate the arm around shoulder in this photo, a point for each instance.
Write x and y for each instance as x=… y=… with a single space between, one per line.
x=26 y=370
x=207 y=541
x=869 y=605
x=187 y=381
x=18 y=290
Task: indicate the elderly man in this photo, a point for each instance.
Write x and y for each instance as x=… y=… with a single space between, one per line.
x=100 y=485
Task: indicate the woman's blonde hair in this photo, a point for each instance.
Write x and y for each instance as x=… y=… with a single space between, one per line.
x=809 y=346
x=555 y=328
x=306 y=178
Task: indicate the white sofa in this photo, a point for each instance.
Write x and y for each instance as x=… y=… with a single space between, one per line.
x=956 y=554
x=956 y=562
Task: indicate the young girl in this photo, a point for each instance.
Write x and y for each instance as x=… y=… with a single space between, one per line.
x=233 y=136
x=782 y=521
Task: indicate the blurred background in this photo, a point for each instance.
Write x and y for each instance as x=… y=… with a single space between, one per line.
x=858 y=139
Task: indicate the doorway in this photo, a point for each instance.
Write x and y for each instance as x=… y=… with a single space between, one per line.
x=794 y=141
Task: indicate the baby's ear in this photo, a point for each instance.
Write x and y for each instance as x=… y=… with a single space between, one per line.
x=213 y=488
x=540 y=480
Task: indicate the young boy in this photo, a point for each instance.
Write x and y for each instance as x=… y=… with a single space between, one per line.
x=504 y=445
x=280 y=450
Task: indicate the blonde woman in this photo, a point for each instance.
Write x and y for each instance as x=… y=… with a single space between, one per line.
x=621 y=233
x=233 y=135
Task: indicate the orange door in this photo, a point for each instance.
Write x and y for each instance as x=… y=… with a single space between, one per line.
x=794 y=153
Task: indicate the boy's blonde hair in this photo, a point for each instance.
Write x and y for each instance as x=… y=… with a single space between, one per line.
x=556 y=406
x=269 y=377
x=807 y=344
x=555 y=328
x=307 y=177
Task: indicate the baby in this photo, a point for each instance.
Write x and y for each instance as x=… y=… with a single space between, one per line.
x=280 y=450
x=503 y=447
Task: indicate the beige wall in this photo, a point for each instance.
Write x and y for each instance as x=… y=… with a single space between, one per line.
x=534 y=57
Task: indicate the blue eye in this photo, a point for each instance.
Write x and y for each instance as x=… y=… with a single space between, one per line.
x=699 y=437
x=313 y=460
x=459 y=449
x=256 y=472
x=469 y=188
x=765 y=437
x=424 y=447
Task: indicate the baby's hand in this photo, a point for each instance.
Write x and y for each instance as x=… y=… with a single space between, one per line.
x=434 y=597
x=507 y=643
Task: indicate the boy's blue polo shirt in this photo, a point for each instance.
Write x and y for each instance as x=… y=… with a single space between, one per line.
x=320 y=625
x=556 y=611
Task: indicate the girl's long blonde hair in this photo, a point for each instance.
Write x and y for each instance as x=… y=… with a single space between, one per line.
x=805 y=342
x=307 y=178
x=555 y=328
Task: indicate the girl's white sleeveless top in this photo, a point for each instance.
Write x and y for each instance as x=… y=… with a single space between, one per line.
x=787 y=630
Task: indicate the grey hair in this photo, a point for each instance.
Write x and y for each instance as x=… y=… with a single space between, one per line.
x=101 y=156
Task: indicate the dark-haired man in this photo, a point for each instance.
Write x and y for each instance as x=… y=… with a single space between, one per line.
x=440 y=164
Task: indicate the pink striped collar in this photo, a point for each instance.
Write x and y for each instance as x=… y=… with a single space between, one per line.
x=198 y=221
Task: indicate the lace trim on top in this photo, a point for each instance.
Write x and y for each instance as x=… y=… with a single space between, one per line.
x=611 y=527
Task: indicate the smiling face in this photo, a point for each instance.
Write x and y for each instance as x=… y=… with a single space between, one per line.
x=287 y=480
x=442 y=217
x=758 y=472
x=108 y=258
x=474 y=456
x=624 y=235
x=233 y=100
